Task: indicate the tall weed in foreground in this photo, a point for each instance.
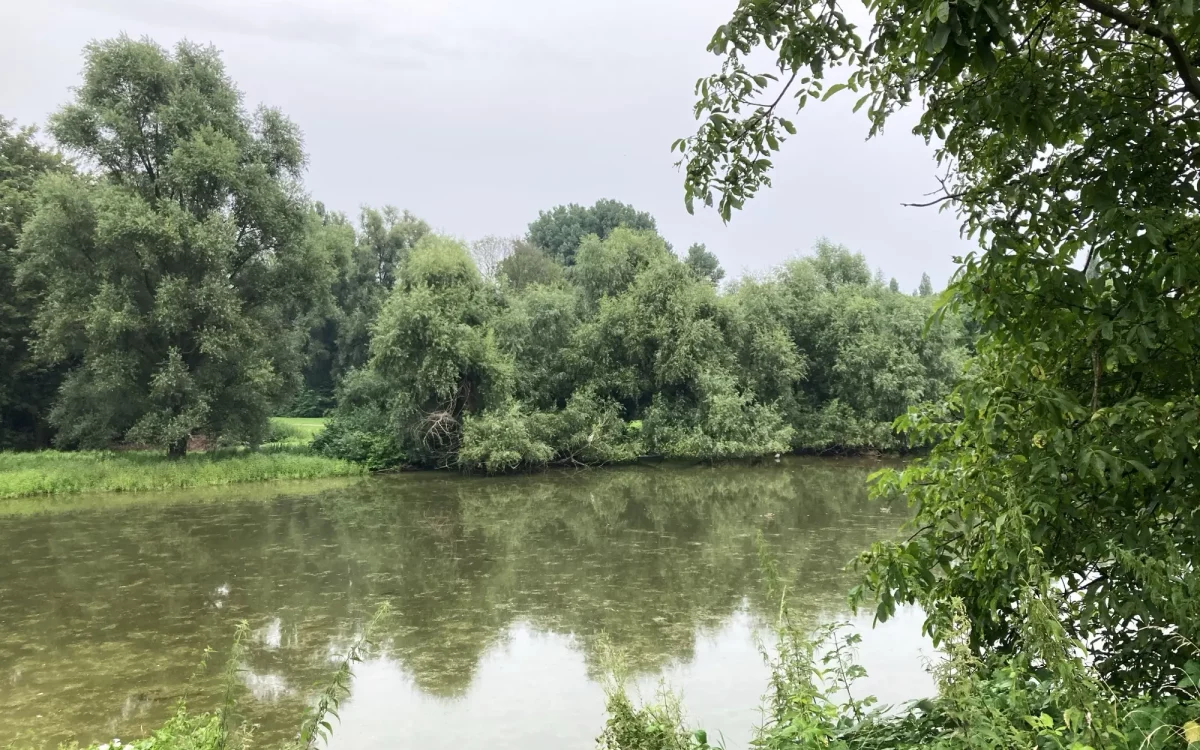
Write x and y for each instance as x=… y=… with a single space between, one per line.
x=657 y=725
x=1047 y=696
x=221 y=729
x=316 y=727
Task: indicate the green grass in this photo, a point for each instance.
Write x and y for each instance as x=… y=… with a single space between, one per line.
x=246 y=492
x=305 y=428
x=54 y=472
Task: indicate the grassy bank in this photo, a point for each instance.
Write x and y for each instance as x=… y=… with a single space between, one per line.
x=53 y=472
x=302 y=429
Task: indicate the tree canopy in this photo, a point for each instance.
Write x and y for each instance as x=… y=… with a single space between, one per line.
x=169 y=273
x=704 y=264
x=26 y=386
x=367 y=260
x=631 y=351
x=1067 y=463
x=178 y=283
x=560 y=230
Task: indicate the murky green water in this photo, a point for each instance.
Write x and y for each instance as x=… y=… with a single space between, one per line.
x=503 y=591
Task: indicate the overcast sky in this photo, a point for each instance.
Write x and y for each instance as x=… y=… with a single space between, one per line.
x=476 y=114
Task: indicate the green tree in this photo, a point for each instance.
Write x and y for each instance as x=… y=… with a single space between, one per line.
x=657 y=344
x=607 y=267
x=172 y=270
x=366 y=262
x=926 y=287
x=434 y=356
x=838 y=266
x=560 y=230
x=864 y=357
x=528 y=264
x=537 y=329
x=26 y=387
x=329 y=349
x=704 y=264
x=386 y=237
x=633 y=351
x=1069 y=464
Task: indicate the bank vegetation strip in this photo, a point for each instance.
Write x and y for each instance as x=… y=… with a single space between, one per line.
x=54 y=472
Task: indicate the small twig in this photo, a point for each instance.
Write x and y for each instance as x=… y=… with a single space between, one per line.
x=935 y=201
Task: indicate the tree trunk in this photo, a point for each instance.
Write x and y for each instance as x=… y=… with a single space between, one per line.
x=177 y=449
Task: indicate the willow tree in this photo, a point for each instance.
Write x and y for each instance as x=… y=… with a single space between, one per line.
x=1066 y=135
x=434 y=357
x=172 y=266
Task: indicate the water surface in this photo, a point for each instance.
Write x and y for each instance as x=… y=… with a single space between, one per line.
x=504 y=593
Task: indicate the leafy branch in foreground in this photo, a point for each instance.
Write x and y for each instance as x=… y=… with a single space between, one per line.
x=1068 y=132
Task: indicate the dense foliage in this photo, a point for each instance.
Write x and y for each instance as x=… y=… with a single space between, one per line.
x=167 y=275
x=1066 y=470
x=365 y=265
x=177 y=287
x=815 y=700
x=27 y=386
x=560 y=230
x=632 y=351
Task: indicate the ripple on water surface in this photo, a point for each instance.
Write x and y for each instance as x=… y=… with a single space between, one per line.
x=502 y=591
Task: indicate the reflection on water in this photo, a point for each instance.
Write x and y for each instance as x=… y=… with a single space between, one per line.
x=502 y=590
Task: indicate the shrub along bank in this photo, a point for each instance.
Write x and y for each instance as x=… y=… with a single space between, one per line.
x=632 y=351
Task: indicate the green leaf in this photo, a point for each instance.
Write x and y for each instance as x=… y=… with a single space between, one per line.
x=998 y=21
x=833 y=90
x=937 y=40
x=987 y=57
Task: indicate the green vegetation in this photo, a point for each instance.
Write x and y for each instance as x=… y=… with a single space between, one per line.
x=27 y=385
x=1054 y=545
x=301 y=429
x=632 y=351
x=814 y=701
x=166 y=279
x=172 y=285
x=56 y=472
x=560 y=231
x=177 y=286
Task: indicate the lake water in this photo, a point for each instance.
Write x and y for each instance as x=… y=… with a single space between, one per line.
x=504 y=593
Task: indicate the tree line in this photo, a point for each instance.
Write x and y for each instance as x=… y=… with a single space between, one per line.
x=164 y=276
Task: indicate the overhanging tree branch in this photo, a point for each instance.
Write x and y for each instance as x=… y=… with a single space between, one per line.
x=1178 y=55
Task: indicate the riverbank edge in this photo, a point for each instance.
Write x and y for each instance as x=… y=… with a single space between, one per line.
x=53 y=473
x=657 y=460
x=50 y=473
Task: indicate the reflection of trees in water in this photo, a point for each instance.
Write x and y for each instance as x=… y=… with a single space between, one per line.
x=646 y=557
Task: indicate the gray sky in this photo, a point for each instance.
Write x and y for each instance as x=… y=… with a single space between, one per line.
x=476 y=114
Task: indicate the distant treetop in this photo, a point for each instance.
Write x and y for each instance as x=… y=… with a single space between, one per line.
x=560 y=230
